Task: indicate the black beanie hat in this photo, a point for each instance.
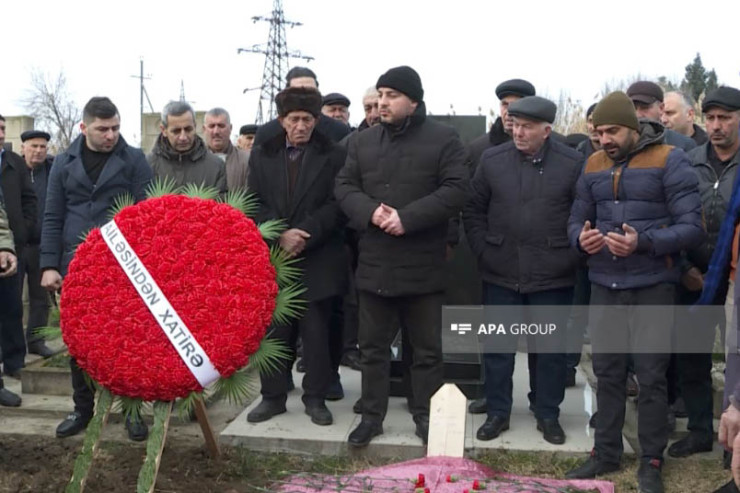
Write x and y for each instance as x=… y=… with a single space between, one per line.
x=403 y=79
x=298 y=99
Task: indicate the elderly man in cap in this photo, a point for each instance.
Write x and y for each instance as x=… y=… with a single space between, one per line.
x=292 y=175
x=516 y=222
x=648 y=100
x=403 y=180
x=716 y=165
x=245 y=141
x=678 y=115
x=637 y=207
x=336 y=105
x=34 y=149
x=217 y=134
x=500 y=132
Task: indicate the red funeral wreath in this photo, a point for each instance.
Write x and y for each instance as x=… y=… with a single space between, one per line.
x=211 y=263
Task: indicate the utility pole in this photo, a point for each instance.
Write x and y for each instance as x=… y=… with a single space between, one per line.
x=276 y=60
x=142 y=93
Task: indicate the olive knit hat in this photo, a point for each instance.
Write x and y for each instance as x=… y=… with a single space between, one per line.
x=616 y=109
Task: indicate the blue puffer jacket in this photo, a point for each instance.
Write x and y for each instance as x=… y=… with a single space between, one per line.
x=654 y=190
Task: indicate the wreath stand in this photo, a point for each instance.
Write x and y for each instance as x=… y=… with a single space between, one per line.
x=154 y=446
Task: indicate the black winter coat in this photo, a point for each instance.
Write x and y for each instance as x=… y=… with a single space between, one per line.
x=421 y=171
x=21 y=203
x=516 y=219
x=312 y=208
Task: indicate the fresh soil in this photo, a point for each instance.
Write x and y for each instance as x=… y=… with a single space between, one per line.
x=44 y=464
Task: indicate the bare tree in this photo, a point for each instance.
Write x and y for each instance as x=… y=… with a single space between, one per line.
x=48 y=100
x=570 y=117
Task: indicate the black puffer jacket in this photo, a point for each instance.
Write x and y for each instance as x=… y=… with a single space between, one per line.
x=421 y=171
x=516 y=218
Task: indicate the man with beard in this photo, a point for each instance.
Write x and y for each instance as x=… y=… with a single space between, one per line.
x=180 y=155
x=637 y=207
x=217 y=133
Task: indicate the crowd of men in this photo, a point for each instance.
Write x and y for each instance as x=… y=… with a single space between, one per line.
x=642 y=211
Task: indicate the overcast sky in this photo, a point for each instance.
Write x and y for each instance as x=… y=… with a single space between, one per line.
x=462 y=49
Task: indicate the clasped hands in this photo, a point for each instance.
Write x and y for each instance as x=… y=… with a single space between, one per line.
x=386 y=218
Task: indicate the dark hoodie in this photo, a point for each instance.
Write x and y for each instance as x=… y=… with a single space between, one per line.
x=198 y=165
x=654 y=190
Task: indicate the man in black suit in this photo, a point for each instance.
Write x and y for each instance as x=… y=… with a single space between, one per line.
x=292 y=174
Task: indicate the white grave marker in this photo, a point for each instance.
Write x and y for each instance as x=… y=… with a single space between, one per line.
x=447 y=415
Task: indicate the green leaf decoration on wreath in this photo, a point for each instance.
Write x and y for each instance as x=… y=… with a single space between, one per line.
x=237 y=388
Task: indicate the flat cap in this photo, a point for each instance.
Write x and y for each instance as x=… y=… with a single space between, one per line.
x=336 y=98
x=35 y=134
x=646 y=92
x=535 y=108
x=725 y=97
x=515 y=87
x=248 y=129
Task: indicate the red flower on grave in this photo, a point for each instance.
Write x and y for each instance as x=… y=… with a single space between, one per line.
x=213 y=266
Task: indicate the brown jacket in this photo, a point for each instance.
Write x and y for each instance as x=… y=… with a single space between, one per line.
x=237 y=168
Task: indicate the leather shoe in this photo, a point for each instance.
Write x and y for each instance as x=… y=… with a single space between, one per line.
x=649 y=478
x=492 y=428
x=137 y=429
x=320 y=414
x=365 y=431
x=265 y=410
x=357 y=406
x=551 y=431
x=478 y=406
x=691 y=444
x=72 y=425
x=422 y=428
x=41 y=349
x=9 y=399
x=591 y=468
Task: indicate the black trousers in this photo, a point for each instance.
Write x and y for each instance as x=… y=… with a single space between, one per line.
x=694 y=370
x=83 y=394
x=421 y=317
x=615 y=315
x=315 y=330
x=38 y=297
x=12 y=340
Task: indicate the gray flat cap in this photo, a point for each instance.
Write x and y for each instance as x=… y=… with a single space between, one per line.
x=534 y=108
